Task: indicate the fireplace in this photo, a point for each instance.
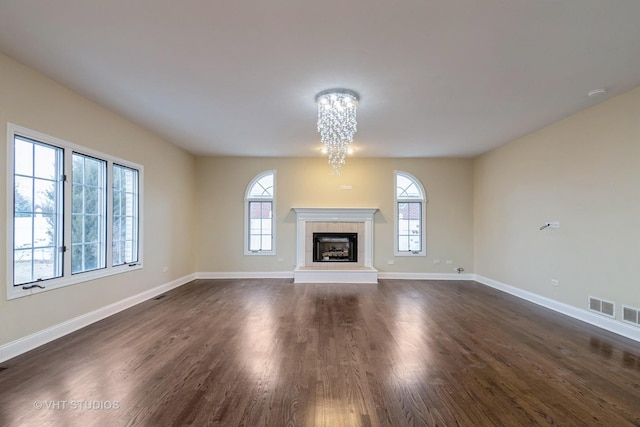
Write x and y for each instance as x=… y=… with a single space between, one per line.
x=335 y=247
x=354 y=222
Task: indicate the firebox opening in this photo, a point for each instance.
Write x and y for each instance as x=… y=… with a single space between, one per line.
x=335 y=247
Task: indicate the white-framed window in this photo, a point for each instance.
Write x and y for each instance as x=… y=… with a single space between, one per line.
x=64 y=217
x=259 y=215
x=410 y=211
x=125 y=217
x=88 y=213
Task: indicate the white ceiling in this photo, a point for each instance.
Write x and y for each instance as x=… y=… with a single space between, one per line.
x=230 y=77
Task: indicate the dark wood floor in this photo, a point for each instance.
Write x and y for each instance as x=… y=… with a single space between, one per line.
x=267 y=352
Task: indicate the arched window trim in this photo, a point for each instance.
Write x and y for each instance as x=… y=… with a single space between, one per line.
x=248 y=198
x=423 y=210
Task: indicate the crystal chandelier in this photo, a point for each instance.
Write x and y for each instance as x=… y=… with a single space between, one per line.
x=337 y=123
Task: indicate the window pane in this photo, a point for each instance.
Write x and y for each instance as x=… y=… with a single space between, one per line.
x=93 y=172
x=414 y=244
x=77 y=199
x=76 y=258
x=37 y=231
x=23 y=266
x=403 y=244
x=23 y=231
x=92 y=257
x=116 y=206
x=128 y=251
x=23 y=152
x=266 y=243
x=406 y=188
x=117 y=257
x=414 y=210
x=92 y=229
x=77 y=225
x=263 y=188
x=93 y=197
x=88 y=222
x=44 y=230
x=44 y=263
x=44 y=162
x=125 y=215
x=23 y=196
x=77 y=174
x=254 y=242
x=44 y=195
x=260 y=226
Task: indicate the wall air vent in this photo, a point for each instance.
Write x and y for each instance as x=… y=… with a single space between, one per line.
x=602 y=306
x=631 y=315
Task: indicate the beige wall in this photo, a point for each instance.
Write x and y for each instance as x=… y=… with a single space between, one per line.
x=483 y=214
x=31 y=100
x=307 y=182
x=583 y=171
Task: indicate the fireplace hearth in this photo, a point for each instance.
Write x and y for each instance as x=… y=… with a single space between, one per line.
x=335 y=247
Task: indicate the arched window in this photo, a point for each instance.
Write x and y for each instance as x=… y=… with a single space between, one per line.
x=259 y=209
x=410 y=213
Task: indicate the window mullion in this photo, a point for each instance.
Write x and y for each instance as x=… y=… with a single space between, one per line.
x=66 y=212
x=109 y=214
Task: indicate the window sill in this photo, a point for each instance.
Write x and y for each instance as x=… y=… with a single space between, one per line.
x=411 y=254
x=14 y=292
x=259 y=253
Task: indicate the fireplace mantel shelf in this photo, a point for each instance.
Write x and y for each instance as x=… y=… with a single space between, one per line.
x=335 y=214
x=336 y=274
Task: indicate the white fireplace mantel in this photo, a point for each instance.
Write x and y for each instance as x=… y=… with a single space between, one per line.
x=306 y=274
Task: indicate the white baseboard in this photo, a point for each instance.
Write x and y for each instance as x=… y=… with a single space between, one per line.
x=22 y=345
x=611 y=325
x=246 y=275
x=425 y=276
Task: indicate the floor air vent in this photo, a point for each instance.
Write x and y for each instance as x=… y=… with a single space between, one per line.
x=602 y=306
x=631 y=315
x=2 y=369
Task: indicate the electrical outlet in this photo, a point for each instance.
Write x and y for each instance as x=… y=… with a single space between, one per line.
x=449 y=262
x=164 y=270
x=555 y=282
x=436 y=261
x=391 y=262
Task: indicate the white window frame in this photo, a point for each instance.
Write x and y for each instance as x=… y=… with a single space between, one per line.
x=68 y=278
x=247 y=200
x=423 y=214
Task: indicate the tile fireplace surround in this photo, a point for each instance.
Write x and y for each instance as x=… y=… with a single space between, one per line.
x=356 y=220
